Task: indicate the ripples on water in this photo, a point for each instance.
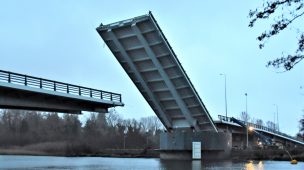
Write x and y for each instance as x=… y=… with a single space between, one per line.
x=94 y=163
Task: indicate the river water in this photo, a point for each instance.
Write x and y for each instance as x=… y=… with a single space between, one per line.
x=94 y=163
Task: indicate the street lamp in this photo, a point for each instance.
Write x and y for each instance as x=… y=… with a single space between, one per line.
x=124 y=138
x=277 y=110
x=225 y=93
x=246 y=122
x=147 y=139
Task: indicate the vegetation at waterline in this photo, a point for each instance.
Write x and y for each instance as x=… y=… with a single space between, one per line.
x=65 y=134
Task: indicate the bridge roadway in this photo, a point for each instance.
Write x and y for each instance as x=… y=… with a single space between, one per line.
x=237 y=131
x=19 y=91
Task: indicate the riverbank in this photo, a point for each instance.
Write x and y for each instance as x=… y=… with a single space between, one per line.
x=68 y=150
x=74 y=150
x=128 y=153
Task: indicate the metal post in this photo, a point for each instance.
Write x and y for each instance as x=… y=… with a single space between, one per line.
x=277 y=111
x=9 y=77
x=278 y=118
x=124 y=138
x=225 y=94
x=124 y=144
x=40 y=83
x=147 y=133
x=25 y=80
x=246 y=122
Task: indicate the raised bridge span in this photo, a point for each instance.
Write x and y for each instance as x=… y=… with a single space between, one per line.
x=147 y=57
x=19 y=91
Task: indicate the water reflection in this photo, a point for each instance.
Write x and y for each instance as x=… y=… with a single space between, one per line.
x=249 y=165
x=260 y=165
x=223 y=165
x=198 y=165
x=95 y=163
x=254 y=165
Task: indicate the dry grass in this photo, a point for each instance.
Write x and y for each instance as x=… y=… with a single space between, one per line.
x=47 y=148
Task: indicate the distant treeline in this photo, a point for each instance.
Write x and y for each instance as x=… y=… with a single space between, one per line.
x=99 y=131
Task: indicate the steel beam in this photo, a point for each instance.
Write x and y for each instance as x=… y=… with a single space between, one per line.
x=162 y=115
x=172 y=89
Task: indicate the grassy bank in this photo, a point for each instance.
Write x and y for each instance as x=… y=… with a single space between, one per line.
x=73 y=149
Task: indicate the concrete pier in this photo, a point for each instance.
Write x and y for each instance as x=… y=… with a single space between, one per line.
x=178 y=144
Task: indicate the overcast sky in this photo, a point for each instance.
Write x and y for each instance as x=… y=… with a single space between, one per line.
x=57 y=40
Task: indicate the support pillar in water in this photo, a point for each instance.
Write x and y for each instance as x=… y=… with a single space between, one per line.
x=178 y=144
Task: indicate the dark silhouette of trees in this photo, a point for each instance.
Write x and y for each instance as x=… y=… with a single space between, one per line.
x=271 y=125
x=55 y=132
x=301 y=129
x=244 y=117
x=284 y=13
x=259 y=122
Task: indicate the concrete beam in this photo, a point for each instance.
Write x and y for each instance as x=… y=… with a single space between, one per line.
x=14 y=98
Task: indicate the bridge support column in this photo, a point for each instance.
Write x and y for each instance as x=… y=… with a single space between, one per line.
x=178 y=144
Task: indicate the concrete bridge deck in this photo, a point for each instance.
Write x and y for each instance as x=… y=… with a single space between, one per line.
x=226 y=122
x=19 y=91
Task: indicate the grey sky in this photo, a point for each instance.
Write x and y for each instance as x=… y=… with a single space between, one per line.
x=57 y=40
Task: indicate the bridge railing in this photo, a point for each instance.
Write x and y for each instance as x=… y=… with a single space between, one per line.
x=35 y=82
x=256 y=126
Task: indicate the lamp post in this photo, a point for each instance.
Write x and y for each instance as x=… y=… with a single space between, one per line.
x=124 y=144
x=147 y=139
x=246 y=122
x=277 y=111
x=225 y=94
x=124 y=139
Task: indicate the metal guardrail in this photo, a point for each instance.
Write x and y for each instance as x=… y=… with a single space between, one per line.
x=35 y=82
x=228 y=119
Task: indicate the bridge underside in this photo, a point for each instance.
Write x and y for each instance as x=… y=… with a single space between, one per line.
x=19 y=91
x=28 y=100
x=145 y=54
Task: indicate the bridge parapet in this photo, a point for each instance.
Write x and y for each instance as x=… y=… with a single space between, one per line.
x=50 y=85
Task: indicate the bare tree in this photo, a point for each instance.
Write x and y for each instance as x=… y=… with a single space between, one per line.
x=245 y=116
x=283 y=13
x=113 y=118
x=259 y=122
x=150 y=123
x=271 y=125
x=301 y=128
